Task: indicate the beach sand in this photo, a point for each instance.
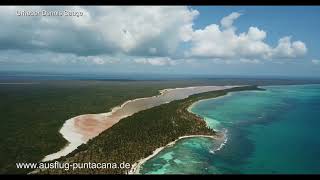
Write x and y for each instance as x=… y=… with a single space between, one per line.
x=78 y=130
x=135 y=168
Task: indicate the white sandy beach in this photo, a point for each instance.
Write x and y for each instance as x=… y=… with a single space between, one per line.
x=78 y=130
x=135 y=169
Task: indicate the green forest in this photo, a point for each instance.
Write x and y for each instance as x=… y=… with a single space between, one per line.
x=32 y=114
x=137 y=136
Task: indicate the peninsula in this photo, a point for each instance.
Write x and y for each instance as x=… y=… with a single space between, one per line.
x=139 y=135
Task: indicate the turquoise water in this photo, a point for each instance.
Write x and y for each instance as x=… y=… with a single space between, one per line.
x=268 y=132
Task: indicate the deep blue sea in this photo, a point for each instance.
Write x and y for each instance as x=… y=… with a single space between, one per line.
x=267 y=132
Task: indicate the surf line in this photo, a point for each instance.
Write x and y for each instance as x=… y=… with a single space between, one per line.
x=220 y=137
x=135 y=168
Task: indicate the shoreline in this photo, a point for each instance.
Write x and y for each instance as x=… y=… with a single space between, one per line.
x=135 y=169
x=193 y=104
x=75 y=129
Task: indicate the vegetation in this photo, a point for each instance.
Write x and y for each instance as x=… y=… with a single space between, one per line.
x=137 y=136
x=32 y=114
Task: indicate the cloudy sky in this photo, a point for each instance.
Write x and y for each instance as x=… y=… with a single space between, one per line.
x=169 y=40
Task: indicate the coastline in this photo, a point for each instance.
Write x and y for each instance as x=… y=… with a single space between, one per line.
x=74 y=130
x=155 y=165
x=193 y=104
x=135 y=169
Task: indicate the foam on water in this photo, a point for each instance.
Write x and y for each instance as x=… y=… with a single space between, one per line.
x=263 y=132
x=220 y=144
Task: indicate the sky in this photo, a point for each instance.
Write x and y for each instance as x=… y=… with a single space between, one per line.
x=192 y=40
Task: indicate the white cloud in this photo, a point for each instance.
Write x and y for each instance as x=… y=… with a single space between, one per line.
x=315 y=61
x=96 y=60
x=152 y=50
x=99 y=60
x=46 y=57
x=102 y=30
x=288 y=49
x=215 y=41
x=227 y=21
x=256 y=34
x=136 y=31
x=236 y=61
x=250 y=61
x=156 y=61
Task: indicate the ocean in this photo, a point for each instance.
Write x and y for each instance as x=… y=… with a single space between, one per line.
x=267 y=132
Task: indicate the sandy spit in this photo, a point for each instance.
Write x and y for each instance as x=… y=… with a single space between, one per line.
x=78 y=130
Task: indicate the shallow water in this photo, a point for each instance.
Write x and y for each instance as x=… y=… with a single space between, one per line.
x=273 y=131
